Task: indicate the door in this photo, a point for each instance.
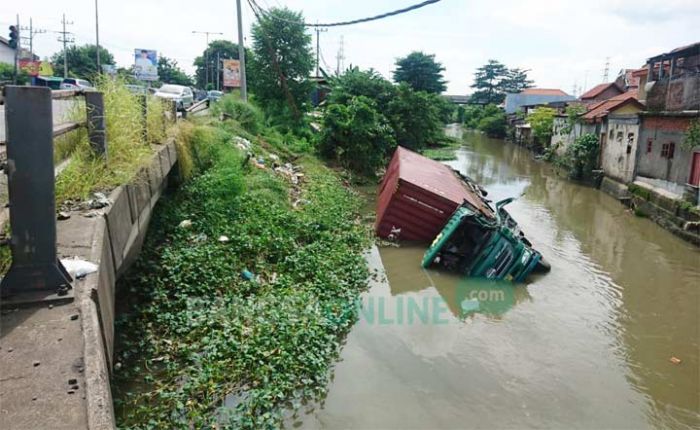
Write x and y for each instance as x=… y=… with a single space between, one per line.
x=695 y=170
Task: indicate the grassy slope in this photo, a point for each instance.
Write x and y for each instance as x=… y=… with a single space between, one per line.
x=197 y=331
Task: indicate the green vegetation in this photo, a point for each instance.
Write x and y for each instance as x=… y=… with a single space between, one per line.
x=253 y=322
x=82 y=60
x=490 y=119
x=127 y=150
x=281 y=64
x=7 y=72
x=692 y=136
x=356 y=135
x=581 y=157
x=421 y=72
x=393 y=114
x=221 y=49
x=541 y=120
x=248 y=116
x=170 y=72
x=494 y=80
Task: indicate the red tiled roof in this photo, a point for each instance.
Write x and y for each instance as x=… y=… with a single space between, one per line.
x=544 y=92
x=601 y=109
x=595 y=91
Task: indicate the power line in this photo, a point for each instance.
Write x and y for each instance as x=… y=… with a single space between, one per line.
x=351 y=22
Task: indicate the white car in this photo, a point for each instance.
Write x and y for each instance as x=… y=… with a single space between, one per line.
x=180 y=94
x=76 y=84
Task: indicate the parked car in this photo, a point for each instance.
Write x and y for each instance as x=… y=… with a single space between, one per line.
x=180 y=94
x=76 y=84
x=214 y=96
x=137 y=89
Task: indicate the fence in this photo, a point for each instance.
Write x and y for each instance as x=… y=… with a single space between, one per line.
x=36 y=273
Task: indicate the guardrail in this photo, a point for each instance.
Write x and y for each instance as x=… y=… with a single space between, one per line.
x=36 y=273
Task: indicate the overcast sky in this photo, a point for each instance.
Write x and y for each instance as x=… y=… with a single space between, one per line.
x=561 y=42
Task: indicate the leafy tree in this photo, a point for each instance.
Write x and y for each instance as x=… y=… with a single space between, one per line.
x=461 y=114
x=170 y=72
x=421 y=72
x=355 y=82
x=281 y=63
x=82 y=60
x=488 y=82
x=225 y=50
x=494 y=125
x=356 y=135
x=415 y=118
x=516 y=80
x=541 y=122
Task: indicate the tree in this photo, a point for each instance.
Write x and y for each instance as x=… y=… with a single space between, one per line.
x=221 y=49
x=415 y=118
x=7 y=72
x=356 y=135
x=281 y=63
x=488 y=82
x=355 y=82
x=169 y=72
x=516 y=80
x=541 y=121
x=82 y=60
x=421 y=72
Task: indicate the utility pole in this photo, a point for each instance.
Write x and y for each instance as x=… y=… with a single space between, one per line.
x=32 y=32
x=206 y=53
x=64 y=38
x=218 y=70
x=241 y=53
x=318 y=48
x=97 y=38
x=340 y=56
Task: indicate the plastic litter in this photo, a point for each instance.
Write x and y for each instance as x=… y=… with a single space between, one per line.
x=223 y=239
x=185 y=224
x=99 y=201
x=78 y=268
x=247 y=275
x=241 y=143
x=675 y=360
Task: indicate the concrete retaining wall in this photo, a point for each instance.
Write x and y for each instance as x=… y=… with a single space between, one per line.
x=55 y=361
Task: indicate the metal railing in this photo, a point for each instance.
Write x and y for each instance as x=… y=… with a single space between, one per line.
x=36 y=273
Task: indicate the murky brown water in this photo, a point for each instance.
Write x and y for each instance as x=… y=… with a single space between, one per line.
x=585 y=346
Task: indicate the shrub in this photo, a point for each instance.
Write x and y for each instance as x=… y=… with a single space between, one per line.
x=581 y=157
x=356 y=135
x=415 y=118
x=247 y=115
x=494 y=126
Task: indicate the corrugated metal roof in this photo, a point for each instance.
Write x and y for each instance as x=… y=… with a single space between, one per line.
x=544 y=91
x=601 y=109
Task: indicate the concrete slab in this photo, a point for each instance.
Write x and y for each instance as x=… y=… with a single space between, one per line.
x=139 y=194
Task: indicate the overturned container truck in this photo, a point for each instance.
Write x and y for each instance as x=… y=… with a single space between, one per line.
x=423 y=200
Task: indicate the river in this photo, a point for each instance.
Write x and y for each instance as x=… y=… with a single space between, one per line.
x=588 y=345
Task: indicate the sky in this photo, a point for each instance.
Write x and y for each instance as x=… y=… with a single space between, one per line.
x=564 y=44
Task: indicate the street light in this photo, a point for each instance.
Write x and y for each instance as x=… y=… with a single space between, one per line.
x=206 y=52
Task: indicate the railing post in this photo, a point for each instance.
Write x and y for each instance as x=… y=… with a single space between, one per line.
x=97 y=136
x=143 y=101
x=35 y=273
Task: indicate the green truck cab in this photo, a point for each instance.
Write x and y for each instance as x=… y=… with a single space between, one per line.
x=479 y=246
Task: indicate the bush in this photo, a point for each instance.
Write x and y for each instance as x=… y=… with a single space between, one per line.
x=247 y=115
x=494 y=126
x=415 y=118
x=356 y=135
x=581 y=157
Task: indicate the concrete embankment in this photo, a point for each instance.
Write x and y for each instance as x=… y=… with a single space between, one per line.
x=55 y=360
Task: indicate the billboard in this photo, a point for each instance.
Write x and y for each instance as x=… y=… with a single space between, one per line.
x=146 y=64
x=232 y=73
x=36 y=68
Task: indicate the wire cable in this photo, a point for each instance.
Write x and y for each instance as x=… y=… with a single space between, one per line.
x=267 y=14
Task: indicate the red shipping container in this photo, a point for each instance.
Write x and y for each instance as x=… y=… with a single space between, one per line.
x=418 y=195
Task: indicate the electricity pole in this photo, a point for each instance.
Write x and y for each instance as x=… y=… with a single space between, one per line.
x=64 y=38
x=340 y=57
x=241 y=53
x=218 y=71
x=97 y=38
x=206 y=55
x=318 y=48
x=32 y=32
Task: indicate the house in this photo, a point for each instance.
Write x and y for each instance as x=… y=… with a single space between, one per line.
x=671 y=87
x=7 y=54
x=534 y=97
x=601 y=92
x=458 y=99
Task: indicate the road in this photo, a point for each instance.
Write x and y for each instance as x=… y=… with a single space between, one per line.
x=62 y=112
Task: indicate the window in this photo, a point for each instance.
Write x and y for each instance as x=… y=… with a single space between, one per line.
x=667 y=150
x=611 y=135
x=650 y=143
x=629 y=148
x=630 y=138
x=619 y=136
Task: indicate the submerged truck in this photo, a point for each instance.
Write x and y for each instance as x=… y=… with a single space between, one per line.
x=423 y=200
x=478 y=246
